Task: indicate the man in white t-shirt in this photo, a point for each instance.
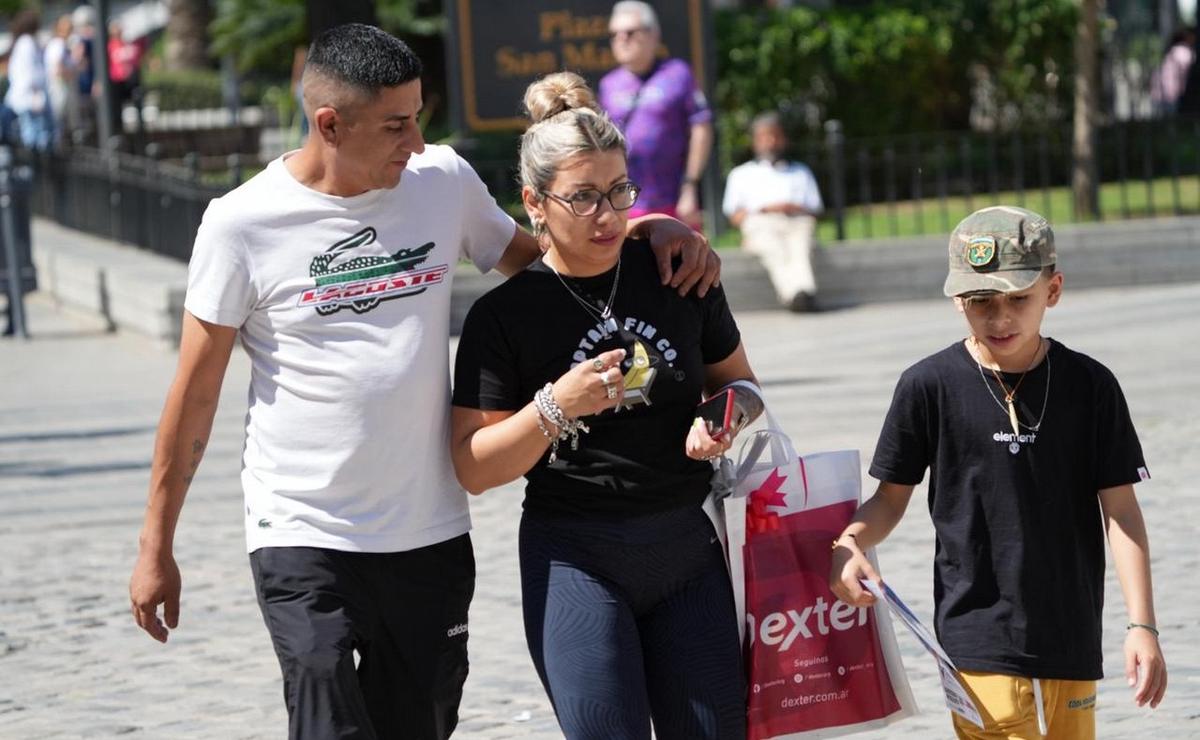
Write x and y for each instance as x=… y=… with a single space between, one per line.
x=334 y=267
x=775 y=204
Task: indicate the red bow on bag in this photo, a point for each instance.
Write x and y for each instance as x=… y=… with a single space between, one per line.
x=758 y=519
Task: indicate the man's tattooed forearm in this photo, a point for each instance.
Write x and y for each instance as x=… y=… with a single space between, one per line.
x=197 y=453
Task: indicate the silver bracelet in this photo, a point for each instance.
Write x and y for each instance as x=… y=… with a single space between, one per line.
x=547 y=407
x=541 y=420
x=1137 y=625
x=544 y=400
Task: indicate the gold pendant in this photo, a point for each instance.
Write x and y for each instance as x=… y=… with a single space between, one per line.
x=1012 y=416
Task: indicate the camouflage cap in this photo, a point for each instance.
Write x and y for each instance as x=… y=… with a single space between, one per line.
x=1002 y=248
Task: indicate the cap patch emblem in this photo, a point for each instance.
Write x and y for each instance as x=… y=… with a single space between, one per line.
x=981 y=250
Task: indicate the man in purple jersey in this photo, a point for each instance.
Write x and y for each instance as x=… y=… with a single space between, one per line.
x=665 y=118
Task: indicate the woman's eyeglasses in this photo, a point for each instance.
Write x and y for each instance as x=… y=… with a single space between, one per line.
x=621 y=197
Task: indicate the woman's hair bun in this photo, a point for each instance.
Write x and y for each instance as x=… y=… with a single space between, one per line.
x=558 y=92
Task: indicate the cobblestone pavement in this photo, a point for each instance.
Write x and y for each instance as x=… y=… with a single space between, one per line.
x=79 y=409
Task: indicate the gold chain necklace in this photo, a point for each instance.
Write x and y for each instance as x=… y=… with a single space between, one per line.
x=1011 y=395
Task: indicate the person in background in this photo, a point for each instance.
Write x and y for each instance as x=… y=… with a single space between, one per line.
x=124 y=71
x=775 y=204
x=1170 y=79
x=27 y=94
x=82 y=119
x=298 y=57
x=665 y=118
x=60 y=76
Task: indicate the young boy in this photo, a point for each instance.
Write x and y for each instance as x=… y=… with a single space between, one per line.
x=1030 y=448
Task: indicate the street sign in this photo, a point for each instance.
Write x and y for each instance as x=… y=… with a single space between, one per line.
x=497 y=49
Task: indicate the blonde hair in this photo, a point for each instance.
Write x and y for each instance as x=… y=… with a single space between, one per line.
x=566 y=121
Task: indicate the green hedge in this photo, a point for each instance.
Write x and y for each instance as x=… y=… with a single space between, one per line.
x=884 y=68
x=194 y=89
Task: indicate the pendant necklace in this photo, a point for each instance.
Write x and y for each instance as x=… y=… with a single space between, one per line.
x=1010 y=395
x=601 y=316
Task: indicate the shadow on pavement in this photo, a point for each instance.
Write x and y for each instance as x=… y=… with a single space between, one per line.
x=53 y=469
x=73 y=435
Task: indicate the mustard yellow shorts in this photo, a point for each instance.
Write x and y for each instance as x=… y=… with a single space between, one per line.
x=1009 y=710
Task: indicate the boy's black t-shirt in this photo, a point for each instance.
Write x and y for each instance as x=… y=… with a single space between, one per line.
x=530 y=330
x=1019 y=561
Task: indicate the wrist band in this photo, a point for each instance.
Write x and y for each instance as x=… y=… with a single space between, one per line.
x=1149 y=628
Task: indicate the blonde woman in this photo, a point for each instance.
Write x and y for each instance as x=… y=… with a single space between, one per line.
x=582 y=374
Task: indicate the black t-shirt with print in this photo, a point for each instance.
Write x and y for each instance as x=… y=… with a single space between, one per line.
x=530 y=330
x=1019 y=561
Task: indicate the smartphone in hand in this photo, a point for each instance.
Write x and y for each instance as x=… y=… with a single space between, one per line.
x=717 y=412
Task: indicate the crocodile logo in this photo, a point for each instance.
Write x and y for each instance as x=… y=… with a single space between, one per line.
x=361 y=282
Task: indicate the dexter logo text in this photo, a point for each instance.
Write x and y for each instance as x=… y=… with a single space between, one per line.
x=782 y=628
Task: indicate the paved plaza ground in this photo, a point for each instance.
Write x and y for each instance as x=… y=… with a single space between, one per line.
x=78 y=408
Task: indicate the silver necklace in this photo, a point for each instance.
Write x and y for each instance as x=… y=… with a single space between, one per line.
x=1015 y=446
x=600 y=316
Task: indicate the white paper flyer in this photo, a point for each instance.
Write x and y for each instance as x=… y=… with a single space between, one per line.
x=957 y=698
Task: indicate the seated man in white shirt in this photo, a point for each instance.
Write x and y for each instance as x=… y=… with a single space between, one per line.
x=775 y=203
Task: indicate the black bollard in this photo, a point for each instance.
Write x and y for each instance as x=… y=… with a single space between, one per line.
x=16 y=267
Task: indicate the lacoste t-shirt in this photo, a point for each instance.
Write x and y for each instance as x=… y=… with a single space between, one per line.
x=1019 y=564
x=343 y=305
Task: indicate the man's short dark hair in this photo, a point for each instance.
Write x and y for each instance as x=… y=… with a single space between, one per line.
x=363 y=56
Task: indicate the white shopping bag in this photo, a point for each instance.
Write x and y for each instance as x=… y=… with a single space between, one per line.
x=817 y=667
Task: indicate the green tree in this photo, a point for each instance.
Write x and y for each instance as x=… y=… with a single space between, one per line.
x=1085 y=185
x=885 y=68
x=411 y=18
x=263 y=34
x=260 y=34
x=187 y=34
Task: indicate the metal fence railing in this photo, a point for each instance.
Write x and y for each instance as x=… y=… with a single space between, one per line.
x=924 y=183
x=872 y=187
x=133 y=199
x=1146 y=167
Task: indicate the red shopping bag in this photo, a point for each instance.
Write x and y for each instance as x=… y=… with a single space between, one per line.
x=817 y=667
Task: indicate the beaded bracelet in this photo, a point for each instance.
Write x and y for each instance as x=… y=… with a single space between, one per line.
x=547 y=407
x=541 y=420
x=1149 y=628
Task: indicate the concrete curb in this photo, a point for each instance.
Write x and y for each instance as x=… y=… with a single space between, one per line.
x=138 y=291
x=132 y=289
x=1136 y=252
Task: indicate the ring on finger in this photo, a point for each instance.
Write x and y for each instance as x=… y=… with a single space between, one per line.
x=604 y=376
x=598 y=364
x=610 y=391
